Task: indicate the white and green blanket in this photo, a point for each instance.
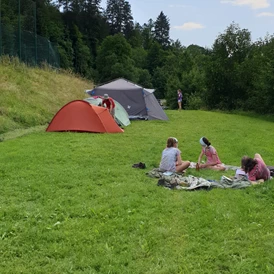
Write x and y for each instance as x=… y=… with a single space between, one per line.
x=180 y=181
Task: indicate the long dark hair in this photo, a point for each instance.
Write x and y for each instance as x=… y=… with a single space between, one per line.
x=248 y=163
x=205 y=140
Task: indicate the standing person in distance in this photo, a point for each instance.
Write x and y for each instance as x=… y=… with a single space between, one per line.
x=179 y=98
x=109 y=103
x=212 y=159
x=171 y=157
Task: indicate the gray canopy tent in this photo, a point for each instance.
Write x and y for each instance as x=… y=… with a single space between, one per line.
x=136 y=100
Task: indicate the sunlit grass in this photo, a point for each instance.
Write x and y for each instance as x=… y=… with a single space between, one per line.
x=31 y=96
x=72 y=203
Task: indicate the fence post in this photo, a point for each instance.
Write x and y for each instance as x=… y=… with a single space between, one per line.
x=0 y=29
x=48 y=52
x=19 y=28
x=35 y=33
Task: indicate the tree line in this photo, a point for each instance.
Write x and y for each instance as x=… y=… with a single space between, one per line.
x=104 y=44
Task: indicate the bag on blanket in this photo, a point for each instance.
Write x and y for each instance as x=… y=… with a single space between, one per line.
x=271 y=169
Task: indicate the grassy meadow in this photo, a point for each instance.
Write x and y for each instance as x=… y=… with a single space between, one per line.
x=72 y=203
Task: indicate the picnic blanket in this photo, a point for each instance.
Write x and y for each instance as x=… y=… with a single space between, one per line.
x=227 y=167
x=180 y=181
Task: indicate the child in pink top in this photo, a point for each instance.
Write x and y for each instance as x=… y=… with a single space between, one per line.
x=212 y=159
x=256 y=169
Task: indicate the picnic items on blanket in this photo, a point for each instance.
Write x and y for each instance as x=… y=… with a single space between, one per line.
x=227 y=167
x=179 y=181
x=139 y=165
x=271 y=169
x=239 y=172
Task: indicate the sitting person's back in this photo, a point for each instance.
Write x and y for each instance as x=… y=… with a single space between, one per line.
x=168 y=161
x=171 y=157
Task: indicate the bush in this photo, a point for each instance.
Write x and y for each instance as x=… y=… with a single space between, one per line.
x=194 y=101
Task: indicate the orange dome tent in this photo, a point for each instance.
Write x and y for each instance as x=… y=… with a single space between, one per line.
x=81 y=116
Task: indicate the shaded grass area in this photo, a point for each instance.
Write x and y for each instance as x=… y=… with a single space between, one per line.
x=72 y=203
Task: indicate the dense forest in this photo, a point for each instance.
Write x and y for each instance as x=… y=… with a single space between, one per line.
x=104 y=44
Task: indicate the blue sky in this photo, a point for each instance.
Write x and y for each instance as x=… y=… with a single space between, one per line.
x=201 y=21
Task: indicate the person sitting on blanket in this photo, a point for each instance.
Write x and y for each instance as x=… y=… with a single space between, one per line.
x=212 y=159
x=256 y=169
x=171 y=157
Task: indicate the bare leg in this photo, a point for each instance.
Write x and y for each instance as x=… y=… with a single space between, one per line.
x=217 y=167
x=257 y=182
x=258 y=156
x=184 y=165
x=180 y=105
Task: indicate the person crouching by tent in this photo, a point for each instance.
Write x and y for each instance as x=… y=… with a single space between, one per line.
x=212 y=159
x=109 y=103
x=256 y=169
x=171 y=157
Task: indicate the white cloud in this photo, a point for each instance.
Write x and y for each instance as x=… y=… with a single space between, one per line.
x=254 y=4
x=189 y=26
x=265 y=14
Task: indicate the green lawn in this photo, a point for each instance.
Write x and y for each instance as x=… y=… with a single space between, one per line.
x=72 y=203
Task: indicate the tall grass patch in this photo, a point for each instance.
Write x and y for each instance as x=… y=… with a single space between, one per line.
x=31 y=96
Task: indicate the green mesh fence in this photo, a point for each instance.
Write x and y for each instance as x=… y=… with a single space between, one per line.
x=30 y=48
x=18 y=23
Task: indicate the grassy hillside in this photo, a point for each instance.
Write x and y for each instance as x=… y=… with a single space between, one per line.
x=31 y=96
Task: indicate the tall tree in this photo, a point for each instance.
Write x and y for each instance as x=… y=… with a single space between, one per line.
x=262 y=64
x=92 y=24
x=128 y=25
x=155 y=57
x=66 y=51
x=226 y=72
x=87 y=16
x=159 y=81
x=114 y=59
x=147 y=34
x=49 y=21
x=119 y=17
x=161 y=30
x=82 y=56
x=135 y=37
x=9 y=12
x=64 y=5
